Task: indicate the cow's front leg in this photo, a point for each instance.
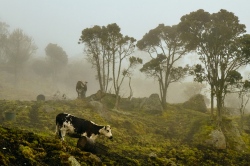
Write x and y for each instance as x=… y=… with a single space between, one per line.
x=63 y=133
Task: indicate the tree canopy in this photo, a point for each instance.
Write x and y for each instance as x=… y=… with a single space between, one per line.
x=57 y=57
x=106 y=48
x=165 y=47
x=218 y=40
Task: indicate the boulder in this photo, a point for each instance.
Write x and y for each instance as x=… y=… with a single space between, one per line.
x=217 y=139
x=86 y=144
x=97 y=96
x=196 y=103
x=152 y=104
x=73 y=161
x=40 y=97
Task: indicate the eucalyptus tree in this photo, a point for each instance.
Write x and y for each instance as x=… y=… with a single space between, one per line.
x=107 y=49
x=217 y=39
x=164 y=46
x=120 y=48
x=57 y=58
x=19 y=49
x=95 y=41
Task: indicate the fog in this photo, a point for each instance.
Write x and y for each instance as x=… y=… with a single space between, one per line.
x=48 y=22
x=29 y=84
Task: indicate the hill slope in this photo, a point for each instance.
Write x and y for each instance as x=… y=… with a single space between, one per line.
x=175 y=137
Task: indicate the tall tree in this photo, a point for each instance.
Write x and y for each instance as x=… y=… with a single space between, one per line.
x=57 y=58
x=95 y=41
x=216 y=39
x=19 y=49
x=107 y=49
x=120 y=48
x=165 y=47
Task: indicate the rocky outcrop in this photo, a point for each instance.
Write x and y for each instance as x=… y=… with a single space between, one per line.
x=152 y=104
x=196 y=103
x=217 y=139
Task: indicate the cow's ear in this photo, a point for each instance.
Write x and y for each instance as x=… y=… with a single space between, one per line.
x=105 y=127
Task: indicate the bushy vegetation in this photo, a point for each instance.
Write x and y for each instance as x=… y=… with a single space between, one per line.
x=175 y=137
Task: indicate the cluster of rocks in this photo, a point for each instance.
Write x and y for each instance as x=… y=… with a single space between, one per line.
x=151 y=104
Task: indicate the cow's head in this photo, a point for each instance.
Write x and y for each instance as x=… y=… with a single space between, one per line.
x=106 y=130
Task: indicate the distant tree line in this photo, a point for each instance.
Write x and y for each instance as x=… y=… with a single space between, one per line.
x=16 y=48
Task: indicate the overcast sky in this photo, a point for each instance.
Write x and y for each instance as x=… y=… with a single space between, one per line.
x=61 y=21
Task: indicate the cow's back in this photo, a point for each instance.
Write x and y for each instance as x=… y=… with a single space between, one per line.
x=81 y=125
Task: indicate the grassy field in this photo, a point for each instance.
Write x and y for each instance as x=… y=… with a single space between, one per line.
x=175 y=137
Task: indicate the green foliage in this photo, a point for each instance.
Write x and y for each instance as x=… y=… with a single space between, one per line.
x=217 y=39
x=165 y=48
x=57 y=56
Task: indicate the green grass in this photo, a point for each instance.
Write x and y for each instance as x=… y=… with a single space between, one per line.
x=176 y=137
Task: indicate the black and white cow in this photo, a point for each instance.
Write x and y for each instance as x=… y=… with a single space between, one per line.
x=77 y=127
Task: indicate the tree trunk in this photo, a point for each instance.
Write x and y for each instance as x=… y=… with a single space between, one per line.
x=219 y=107
x=164 y=98
x=98 y=67
x=117 y=99
x=212 y=102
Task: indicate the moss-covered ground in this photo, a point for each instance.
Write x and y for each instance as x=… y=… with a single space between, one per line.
x=175 y=137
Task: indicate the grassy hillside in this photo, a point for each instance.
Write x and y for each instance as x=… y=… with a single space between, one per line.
x=175 y=137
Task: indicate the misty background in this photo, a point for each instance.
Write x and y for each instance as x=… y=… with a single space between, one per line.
x=61 y=23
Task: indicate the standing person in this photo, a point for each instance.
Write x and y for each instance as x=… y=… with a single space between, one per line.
x=79 y=89
x=84 y=89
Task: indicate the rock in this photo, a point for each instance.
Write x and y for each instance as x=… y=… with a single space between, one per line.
x=97 y=96
x=94 y=157
x=152 y=104
x=86 y=144
x=73 y=161
x=152 y=155
x=196 y=103
x=217 y=139
x=40 y=97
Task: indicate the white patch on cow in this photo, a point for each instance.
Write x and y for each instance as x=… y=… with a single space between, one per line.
x=84 y=134
x=93 y=122
x=69 y=127
x=93 y=136
x=106 y=130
